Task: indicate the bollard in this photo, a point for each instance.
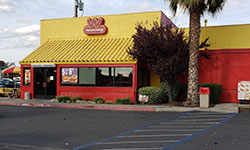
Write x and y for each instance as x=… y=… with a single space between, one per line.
x=27 y=96
x=204 y=97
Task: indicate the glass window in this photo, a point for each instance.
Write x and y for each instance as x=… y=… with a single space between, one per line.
x=87 y=76
x=26 y=74
x=123 y=76
x=104 y=76
x=69 y=76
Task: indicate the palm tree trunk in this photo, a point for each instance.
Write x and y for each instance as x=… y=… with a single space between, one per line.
x=194 y=39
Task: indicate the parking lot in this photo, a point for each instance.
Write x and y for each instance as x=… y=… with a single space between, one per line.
x=60 y=129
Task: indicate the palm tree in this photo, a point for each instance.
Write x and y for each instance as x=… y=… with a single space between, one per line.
x=196 y=9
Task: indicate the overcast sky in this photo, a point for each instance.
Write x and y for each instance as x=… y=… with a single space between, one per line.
x=20 y=19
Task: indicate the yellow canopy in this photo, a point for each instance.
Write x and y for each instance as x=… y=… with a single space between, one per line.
x=82 y=51
x=12 y=69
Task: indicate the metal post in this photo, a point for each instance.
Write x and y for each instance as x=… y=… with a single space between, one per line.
x=76 y=8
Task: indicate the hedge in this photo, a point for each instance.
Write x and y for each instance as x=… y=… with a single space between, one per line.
x=175 y=90
x=154 y=94
x=123 y=100
x=99 y=100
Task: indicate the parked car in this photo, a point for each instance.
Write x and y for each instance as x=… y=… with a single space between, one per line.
x=8 y=86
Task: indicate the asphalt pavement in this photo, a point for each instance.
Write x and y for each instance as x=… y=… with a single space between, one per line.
x=35 y=128
x=39 y=128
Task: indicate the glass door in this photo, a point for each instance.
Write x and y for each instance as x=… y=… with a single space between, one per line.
x=45 y=83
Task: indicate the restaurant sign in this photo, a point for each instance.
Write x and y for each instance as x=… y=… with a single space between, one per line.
x=95 y=26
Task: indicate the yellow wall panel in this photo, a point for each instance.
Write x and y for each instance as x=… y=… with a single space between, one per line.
x=118 y=25
x=154 y=79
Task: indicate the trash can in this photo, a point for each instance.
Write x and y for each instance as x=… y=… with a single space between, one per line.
x=27 y=95
x=204 y=97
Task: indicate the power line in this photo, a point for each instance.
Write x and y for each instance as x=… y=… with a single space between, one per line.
x=4 y=48
x=9 y=37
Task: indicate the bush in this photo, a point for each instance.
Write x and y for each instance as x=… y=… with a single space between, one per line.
x=74 y=99
x=154 y=94
x=175 y=90
x=215 y=91
x=63 y=99
x=108 y=102
x=99 y=100
x=123 y=101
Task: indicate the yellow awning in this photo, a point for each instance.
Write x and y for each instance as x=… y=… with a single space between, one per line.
x=82 y=51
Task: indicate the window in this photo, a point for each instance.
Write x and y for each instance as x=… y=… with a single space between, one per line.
x=99 y=76
x=26 y=74
x=123 y=76
x=69 y=76
x=105 y=76
x=87 y=76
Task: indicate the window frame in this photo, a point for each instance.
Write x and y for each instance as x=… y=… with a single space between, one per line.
x=95 y=85
x=24 y=77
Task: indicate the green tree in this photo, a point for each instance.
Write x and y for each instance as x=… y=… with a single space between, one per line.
x=196 y=9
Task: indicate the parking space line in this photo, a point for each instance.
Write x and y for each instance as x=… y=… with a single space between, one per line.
x=168 y=126
x=140 y=142
x=193 y=120
x=132 y=149
x=161 y=130
x=205 y=116
x=188 y=123
x=182 y=128
x=197 y=133
x=156 y=135
x=130 y=131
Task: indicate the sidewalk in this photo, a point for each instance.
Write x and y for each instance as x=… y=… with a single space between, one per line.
x=223 y=107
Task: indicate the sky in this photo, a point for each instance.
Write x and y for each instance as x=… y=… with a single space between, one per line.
x=20 y=19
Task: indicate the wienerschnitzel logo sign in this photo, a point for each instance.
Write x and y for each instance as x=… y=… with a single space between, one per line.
x=95 y=27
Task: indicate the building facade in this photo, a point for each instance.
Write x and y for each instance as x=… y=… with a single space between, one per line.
x=87 y=57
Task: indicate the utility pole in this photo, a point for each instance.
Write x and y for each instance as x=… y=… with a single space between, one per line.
x=76 y=8
x=78 y=5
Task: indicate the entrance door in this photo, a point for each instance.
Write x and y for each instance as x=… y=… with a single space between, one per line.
x=45 y=83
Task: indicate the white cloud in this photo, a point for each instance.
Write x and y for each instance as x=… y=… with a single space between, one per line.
x=24 y=21
x=144 y=6
x=28 y=29
x=7 y=6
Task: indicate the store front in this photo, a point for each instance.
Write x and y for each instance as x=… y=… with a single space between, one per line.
x=87 y=57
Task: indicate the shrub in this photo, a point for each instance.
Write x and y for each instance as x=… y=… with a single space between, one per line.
x=99 y=100
x=74 y=99
x=175 y=90
x=63 y=99
x=108 y=102
x=123 y=101
x=215 y=91
x=154 y=94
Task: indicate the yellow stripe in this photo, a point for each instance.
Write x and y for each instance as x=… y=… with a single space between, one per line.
x=111 y=50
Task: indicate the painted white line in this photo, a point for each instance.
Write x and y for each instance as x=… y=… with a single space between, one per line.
x=132 y=149
x=179 y=126
x=157 y=135
x=190 y=120
x=205 y=116
x=208 y=113
x=187 y=123
x=162 y=130
x=140 y=142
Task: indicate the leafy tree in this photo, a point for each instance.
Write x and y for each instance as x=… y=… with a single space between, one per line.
x=163 y=50
x=196 y=9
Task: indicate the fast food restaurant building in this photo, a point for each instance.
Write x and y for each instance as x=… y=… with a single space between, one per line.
x=87 y=57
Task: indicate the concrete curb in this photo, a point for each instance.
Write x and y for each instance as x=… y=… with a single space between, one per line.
x=98 y=107
x=226 y=107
